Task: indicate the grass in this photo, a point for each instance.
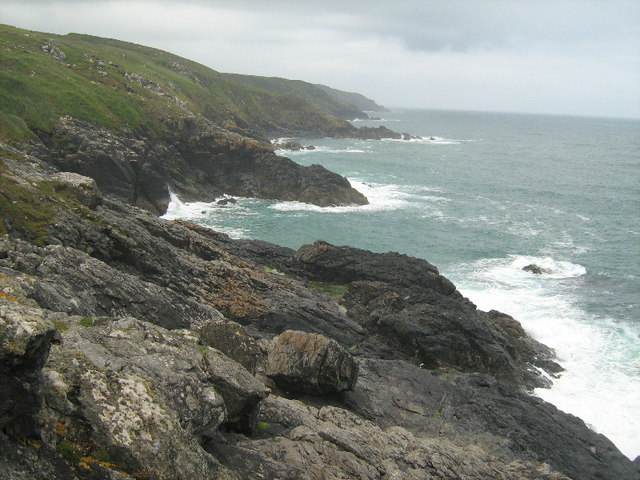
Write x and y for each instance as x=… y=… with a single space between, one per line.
x=90 y=84
x=334 y=290
x=273 y=270
x=85 y=322
x=30 y=208
x=24 y=211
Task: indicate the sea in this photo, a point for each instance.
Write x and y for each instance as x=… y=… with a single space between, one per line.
x=482 y=195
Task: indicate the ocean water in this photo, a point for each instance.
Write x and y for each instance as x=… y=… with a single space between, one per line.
x=482 y=195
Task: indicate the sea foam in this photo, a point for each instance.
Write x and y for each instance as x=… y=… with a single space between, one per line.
x=602 y=373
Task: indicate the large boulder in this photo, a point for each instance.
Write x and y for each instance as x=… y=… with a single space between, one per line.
x=310 y=363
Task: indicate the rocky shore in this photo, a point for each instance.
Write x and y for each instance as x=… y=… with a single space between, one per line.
x=132 y=347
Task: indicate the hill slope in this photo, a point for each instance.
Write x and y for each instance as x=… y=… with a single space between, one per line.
x=326 y=99
x=118 y=84
x=358 y=100
x=143 y=122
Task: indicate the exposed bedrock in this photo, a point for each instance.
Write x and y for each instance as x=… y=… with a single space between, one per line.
x=134 y=347
x=194 y=158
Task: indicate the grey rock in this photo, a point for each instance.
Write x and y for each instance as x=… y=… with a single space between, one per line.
x=331 y=263
x=197 y=159
x=231 y=339
x=84 y=188
x=310 y=363
x=476 y=411
x=332 y=443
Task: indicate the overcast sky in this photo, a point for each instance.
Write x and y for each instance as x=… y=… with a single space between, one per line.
x=573 y=57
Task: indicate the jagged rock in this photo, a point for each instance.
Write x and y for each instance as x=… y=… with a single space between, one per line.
x=310 y=363
x=84 y=188
x=538 y=270
x=199 y=160
x=112 y=377
x=476 y=411
x=226 y=201
x=76 y=283
x=139 y=392
x=242 y=393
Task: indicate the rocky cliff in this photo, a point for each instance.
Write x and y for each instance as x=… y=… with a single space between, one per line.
x=136 y=348
x=142 y=122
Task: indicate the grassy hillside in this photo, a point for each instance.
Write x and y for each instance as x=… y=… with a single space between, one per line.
x=122 y=85
x=325 y=100
x=358 y=100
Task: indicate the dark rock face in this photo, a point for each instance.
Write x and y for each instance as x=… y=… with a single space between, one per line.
x=411 y=311
x=330 y=263
x=378 y=133
x=195 y=158
x=310 y=363
x=25 y=339
x=128 y=347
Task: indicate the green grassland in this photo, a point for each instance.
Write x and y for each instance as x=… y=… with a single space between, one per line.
x=119 y=85
x=309 y=92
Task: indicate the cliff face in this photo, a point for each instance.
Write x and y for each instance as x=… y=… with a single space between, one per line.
x=195 y=159
x=134 y=347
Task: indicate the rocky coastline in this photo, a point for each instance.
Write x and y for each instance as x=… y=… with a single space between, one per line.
x=137 y=348
x=132 y=347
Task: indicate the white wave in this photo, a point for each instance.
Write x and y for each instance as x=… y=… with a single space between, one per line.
x=379 y=119
x=208 y=214
x=431 y=140
x=323 y=149
x=601 y=383
x=282 y=140
x=382 y=197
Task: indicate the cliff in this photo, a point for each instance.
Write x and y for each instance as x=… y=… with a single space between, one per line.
x=143 y=122
x=136 y=348
x=356 y=99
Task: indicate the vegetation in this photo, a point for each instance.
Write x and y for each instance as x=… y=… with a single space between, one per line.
x=335 y=290
x=85 y=322
x=119 y=85
x=314 y=94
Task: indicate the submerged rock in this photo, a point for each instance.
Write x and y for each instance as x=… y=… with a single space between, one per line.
x=533 y=268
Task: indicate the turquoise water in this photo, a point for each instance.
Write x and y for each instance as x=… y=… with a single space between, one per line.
x=481 y=196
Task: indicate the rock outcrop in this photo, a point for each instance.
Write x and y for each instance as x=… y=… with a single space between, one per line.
x=194 y=158
x=132 y=347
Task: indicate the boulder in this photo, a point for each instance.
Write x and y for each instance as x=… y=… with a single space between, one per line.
x=84 y=188
x=231 y=339
x=137 y=394
x=310 y=363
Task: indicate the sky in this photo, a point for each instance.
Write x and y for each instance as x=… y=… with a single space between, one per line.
x=567 y=57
